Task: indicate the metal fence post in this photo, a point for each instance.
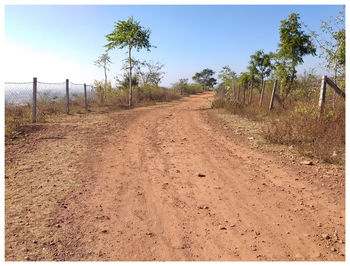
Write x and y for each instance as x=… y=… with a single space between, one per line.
x=35 y=86
x=322 y=95
x=85 y=97
x=67 y=96
x=273 y=95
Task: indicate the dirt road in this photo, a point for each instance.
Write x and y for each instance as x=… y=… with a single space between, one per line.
x=172 y=182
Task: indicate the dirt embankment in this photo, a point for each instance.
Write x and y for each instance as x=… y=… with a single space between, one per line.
x=169 y=182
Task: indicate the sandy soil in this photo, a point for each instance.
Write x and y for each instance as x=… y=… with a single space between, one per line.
x=168 y=182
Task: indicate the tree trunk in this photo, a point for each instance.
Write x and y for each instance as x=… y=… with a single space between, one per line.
x=105 y=77
x=105 y=86
x=130 y=79
x=262 y=93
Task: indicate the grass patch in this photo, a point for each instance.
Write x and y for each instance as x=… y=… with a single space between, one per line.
x=17 y=118
x=296 y=123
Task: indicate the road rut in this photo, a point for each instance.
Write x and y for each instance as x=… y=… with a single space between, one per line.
x=172 y=184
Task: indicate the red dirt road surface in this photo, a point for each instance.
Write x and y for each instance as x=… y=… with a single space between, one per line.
x=169 y=182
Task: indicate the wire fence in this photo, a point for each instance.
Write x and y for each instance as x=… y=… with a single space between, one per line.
x=276 y=95
x=18 y=93
x=34 y=100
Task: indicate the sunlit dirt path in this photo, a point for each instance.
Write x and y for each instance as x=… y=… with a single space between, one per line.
x=173 y=183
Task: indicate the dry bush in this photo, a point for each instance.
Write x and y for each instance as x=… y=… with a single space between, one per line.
x=296 y=121
x=17 y=117
x=184 y=88
x=322 y=138
x=49 y=107
x=150 y=93
x=223 y=99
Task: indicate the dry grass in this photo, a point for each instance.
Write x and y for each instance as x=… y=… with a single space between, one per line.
x=41 y=171
x=297 y=124
x=17 y=118
x=320 y=138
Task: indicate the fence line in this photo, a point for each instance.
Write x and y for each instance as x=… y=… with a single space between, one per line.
x=47 y=97
x=236 y=91
x=273 y=95
x=325 y=81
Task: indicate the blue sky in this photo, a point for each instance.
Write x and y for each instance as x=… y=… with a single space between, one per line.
x=55 y=42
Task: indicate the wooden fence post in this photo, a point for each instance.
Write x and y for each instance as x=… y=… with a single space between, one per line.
x=250 y=92
x=244 y=89
x=322 y=95
x=67 y=96
x=335 y=87
x=233 y=89
x=273 y=95
x=239 y=92
x=35 y=87
x=85 y=97
x=262 y=93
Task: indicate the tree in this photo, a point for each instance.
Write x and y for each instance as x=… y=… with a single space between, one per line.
x=245 y=77
x=104 y=62
x=129 y=34
x=205 y=78
x=102 y=90
x=149 y=72
x=294 y=44
x=227 y=76
x=260 y=65
x=124 y=81
x=181 y=86
x=332 y=44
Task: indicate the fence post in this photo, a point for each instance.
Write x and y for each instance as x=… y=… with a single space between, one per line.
x=239 y=92
x=67 y=96
x=85 y=97
x=35 y=87
x=322 y=95
x=250 y=93
x=244 y=89
x=233 y=89
x=273 y=95
x=262 y=93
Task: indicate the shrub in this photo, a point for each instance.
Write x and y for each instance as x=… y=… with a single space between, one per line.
x=321 y=138
x=194 y=89
x=183 y=88
x=153 y=93
x=296 y=122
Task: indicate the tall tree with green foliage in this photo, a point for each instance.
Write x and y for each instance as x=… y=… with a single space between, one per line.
x=129 y=34
x=205 y=78
x=294 y=45
x=245 y=77
x=331 y=40
x=227 y=76
x=260 y=65
x=104 y=61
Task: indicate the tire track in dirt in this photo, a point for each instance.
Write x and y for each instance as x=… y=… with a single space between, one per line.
x=148 y=203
